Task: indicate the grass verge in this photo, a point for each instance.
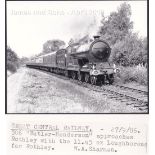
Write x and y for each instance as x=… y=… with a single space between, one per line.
x=133 y=74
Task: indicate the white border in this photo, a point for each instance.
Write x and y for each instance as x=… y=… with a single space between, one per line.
x=2 y=79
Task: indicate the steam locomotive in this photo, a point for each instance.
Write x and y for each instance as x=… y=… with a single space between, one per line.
x=87 y=62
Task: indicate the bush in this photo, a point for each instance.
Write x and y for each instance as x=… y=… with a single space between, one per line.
x=140 y=74
x=12 y=60
x=130 y=51
x=11 y=67
x=133 y=74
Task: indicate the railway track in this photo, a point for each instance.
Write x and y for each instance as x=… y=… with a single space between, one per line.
x=133 y=89
x=136 y=100
x=130 y=96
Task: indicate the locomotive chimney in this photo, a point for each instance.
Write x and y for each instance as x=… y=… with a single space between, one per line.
x=96 y=37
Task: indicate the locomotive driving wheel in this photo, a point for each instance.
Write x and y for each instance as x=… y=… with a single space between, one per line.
x=87 y=77
x=93 y=80
x=111 y=81
x=66 y=73
x=73 y=75
x=80 y=76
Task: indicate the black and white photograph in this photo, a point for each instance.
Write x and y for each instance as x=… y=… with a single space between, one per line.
x=77 y=57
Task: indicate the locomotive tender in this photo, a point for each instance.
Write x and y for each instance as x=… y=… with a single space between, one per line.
x=87 y=62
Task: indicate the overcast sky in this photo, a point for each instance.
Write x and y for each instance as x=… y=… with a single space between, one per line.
x=30 y=24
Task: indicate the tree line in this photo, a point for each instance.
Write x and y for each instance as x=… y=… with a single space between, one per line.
x=128 y=49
